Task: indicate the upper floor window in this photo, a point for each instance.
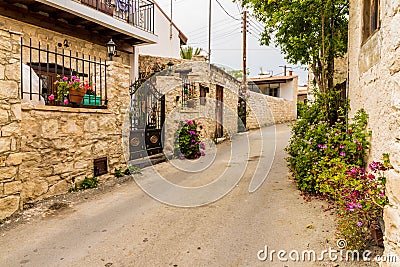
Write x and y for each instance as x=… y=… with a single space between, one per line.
x=370 y=18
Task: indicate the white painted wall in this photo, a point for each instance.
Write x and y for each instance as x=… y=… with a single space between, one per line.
x=288 y=90
x=165 y=47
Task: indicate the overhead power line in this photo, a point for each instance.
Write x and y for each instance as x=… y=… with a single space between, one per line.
x=226 y=11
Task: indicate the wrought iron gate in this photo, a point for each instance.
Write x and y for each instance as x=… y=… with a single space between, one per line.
x=147 y=116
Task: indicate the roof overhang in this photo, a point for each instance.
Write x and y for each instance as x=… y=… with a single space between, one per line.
x=77 y=20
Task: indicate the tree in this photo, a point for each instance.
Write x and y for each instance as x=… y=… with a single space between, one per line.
x=309 y=32
x=188 y=52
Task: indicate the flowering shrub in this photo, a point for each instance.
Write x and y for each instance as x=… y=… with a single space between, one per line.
x=317 y=144
x=188 y=142
x=244 y=92
x=361 y=202
x=65 y=84
x=326 y=156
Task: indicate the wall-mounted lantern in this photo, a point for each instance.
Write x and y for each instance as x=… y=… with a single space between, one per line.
x=111 y=49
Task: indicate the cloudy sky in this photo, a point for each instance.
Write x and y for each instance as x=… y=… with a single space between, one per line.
x=191 y=16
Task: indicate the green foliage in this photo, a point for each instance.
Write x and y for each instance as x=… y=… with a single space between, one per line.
x=128 y=171
x=132 y=170
x=318 y=139
x=326 y=156
x=309 y=32
x=118 y=173
x=188 y=143
x=361 y=203
x=188 y=52
x=87 y=183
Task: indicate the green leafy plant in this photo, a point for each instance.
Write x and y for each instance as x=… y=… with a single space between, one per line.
x=65 y=84
x=188 y=52
x=132 y=170
x=118 y=173
x=361 y=202
x=86 y=183
x=188 y=142
x=326 y=158
x=317 y=140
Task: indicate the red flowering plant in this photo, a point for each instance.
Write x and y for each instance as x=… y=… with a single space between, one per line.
x=362 y=201
x=188 y=143
x=65 y=84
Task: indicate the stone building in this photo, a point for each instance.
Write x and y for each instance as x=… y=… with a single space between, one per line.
x=46 y=146
x=374 y=74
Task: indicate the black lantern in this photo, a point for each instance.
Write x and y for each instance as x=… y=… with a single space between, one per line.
x=170 y=64
x=111 y=49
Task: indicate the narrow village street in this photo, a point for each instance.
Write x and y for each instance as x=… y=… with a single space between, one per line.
x=126 y=227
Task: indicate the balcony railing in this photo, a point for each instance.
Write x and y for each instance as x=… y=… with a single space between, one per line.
x=139 y=13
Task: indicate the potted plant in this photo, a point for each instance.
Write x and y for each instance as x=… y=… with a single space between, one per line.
x=188 y=143
x=72 y=88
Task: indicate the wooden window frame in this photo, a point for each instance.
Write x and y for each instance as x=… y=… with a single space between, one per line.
x=370 y=19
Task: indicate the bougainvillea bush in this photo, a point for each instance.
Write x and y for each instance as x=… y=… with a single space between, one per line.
x=327 y=158
x=188 y=143
x=361 y=203
x=317 y=140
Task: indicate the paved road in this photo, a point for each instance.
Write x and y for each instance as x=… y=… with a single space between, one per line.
x=126 y=227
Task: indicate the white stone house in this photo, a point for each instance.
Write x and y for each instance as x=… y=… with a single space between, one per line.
x=374 y=74
x=45 y=147
x=170 y=37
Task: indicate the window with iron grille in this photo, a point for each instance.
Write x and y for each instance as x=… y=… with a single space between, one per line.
x=42 y=66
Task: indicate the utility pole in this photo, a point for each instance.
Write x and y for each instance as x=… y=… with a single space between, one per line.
x=170 y=26
x=209 y=38
x=244 y=46
x=285 y=69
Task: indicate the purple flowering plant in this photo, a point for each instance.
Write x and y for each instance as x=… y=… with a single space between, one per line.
x=361 y=202
x=188 y=143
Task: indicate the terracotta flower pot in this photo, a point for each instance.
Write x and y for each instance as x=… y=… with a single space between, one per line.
x=76 y=96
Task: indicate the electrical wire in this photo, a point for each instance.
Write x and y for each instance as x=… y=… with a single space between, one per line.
x=226 y=11
x=202 y=34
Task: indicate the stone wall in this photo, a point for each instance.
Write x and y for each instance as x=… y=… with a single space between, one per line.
x=148 y=63
x=374 y=73
x=59 y=144
x=45 y=149
x=265 y=110
x=171 y=86
x=10 y=123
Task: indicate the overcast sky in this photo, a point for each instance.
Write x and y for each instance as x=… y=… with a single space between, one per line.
x=191 y=16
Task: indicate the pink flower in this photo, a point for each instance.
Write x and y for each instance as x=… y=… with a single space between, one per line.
x=66 y=102
x=359 y=224
x=341 y=146
x=342 y=154
x=50 y=97
x=77 y=80
x=65 y=78
x=73 y=77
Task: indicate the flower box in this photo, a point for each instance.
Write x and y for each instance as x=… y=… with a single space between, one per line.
x=91 y=100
